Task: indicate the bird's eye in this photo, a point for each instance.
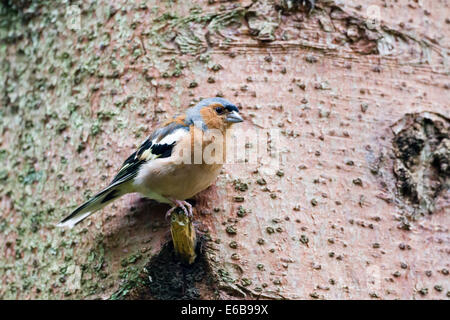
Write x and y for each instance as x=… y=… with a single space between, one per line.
x=220 y=110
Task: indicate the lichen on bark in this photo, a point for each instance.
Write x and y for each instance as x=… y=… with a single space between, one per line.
x=80 y=89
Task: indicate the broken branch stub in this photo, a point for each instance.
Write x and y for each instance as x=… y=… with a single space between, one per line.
x=183 y=236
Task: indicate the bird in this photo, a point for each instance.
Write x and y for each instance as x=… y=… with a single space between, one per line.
x=295 y=4
x=310 y=4
x=164 y=167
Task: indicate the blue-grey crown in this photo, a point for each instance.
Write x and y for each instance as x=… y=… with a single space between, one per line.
x=193 y=114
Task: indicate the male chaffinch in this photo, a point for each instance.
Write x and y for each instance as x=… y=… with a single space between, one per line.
x=157 y=168
x=293 y=4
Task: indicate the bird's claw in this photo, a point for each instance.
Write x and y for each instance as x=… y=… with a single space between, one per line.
x=184 y=205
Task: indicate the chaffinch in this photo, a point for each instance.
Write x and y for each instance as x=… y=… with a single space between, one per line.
x=162 y=168
x=294 y=4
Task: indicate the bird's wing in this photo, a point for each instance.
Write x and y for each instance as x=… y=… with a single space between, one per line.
x=157 y=145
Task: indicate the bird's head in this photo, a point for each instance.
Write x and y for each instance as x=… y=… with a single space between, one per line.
x=214 y=113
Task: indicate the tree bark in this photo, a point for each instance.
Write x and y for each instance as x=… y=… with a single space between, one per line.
x=357 y=207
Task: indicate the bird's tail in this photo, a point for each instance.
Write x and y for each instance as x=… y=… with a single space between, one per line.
x=100 y=200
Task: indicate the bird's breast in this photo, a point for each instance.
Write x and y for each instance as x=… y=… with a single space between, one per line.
x=185 y=173
x=173 y=180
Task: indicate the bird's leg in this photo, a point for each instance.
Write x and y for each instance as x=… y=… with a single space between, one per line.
x=180 y=204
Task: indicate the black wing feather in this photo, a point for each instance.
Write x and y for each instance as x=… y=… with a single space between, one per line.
x=163 y=150
x=131 y=165
x=129 y=168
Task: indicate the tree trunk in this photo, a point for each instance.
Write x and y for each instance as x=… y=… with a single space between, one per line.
x=353 y=97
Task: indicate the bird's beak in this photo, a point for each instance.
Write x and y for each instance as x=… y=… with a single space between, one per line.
x=234 y=117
